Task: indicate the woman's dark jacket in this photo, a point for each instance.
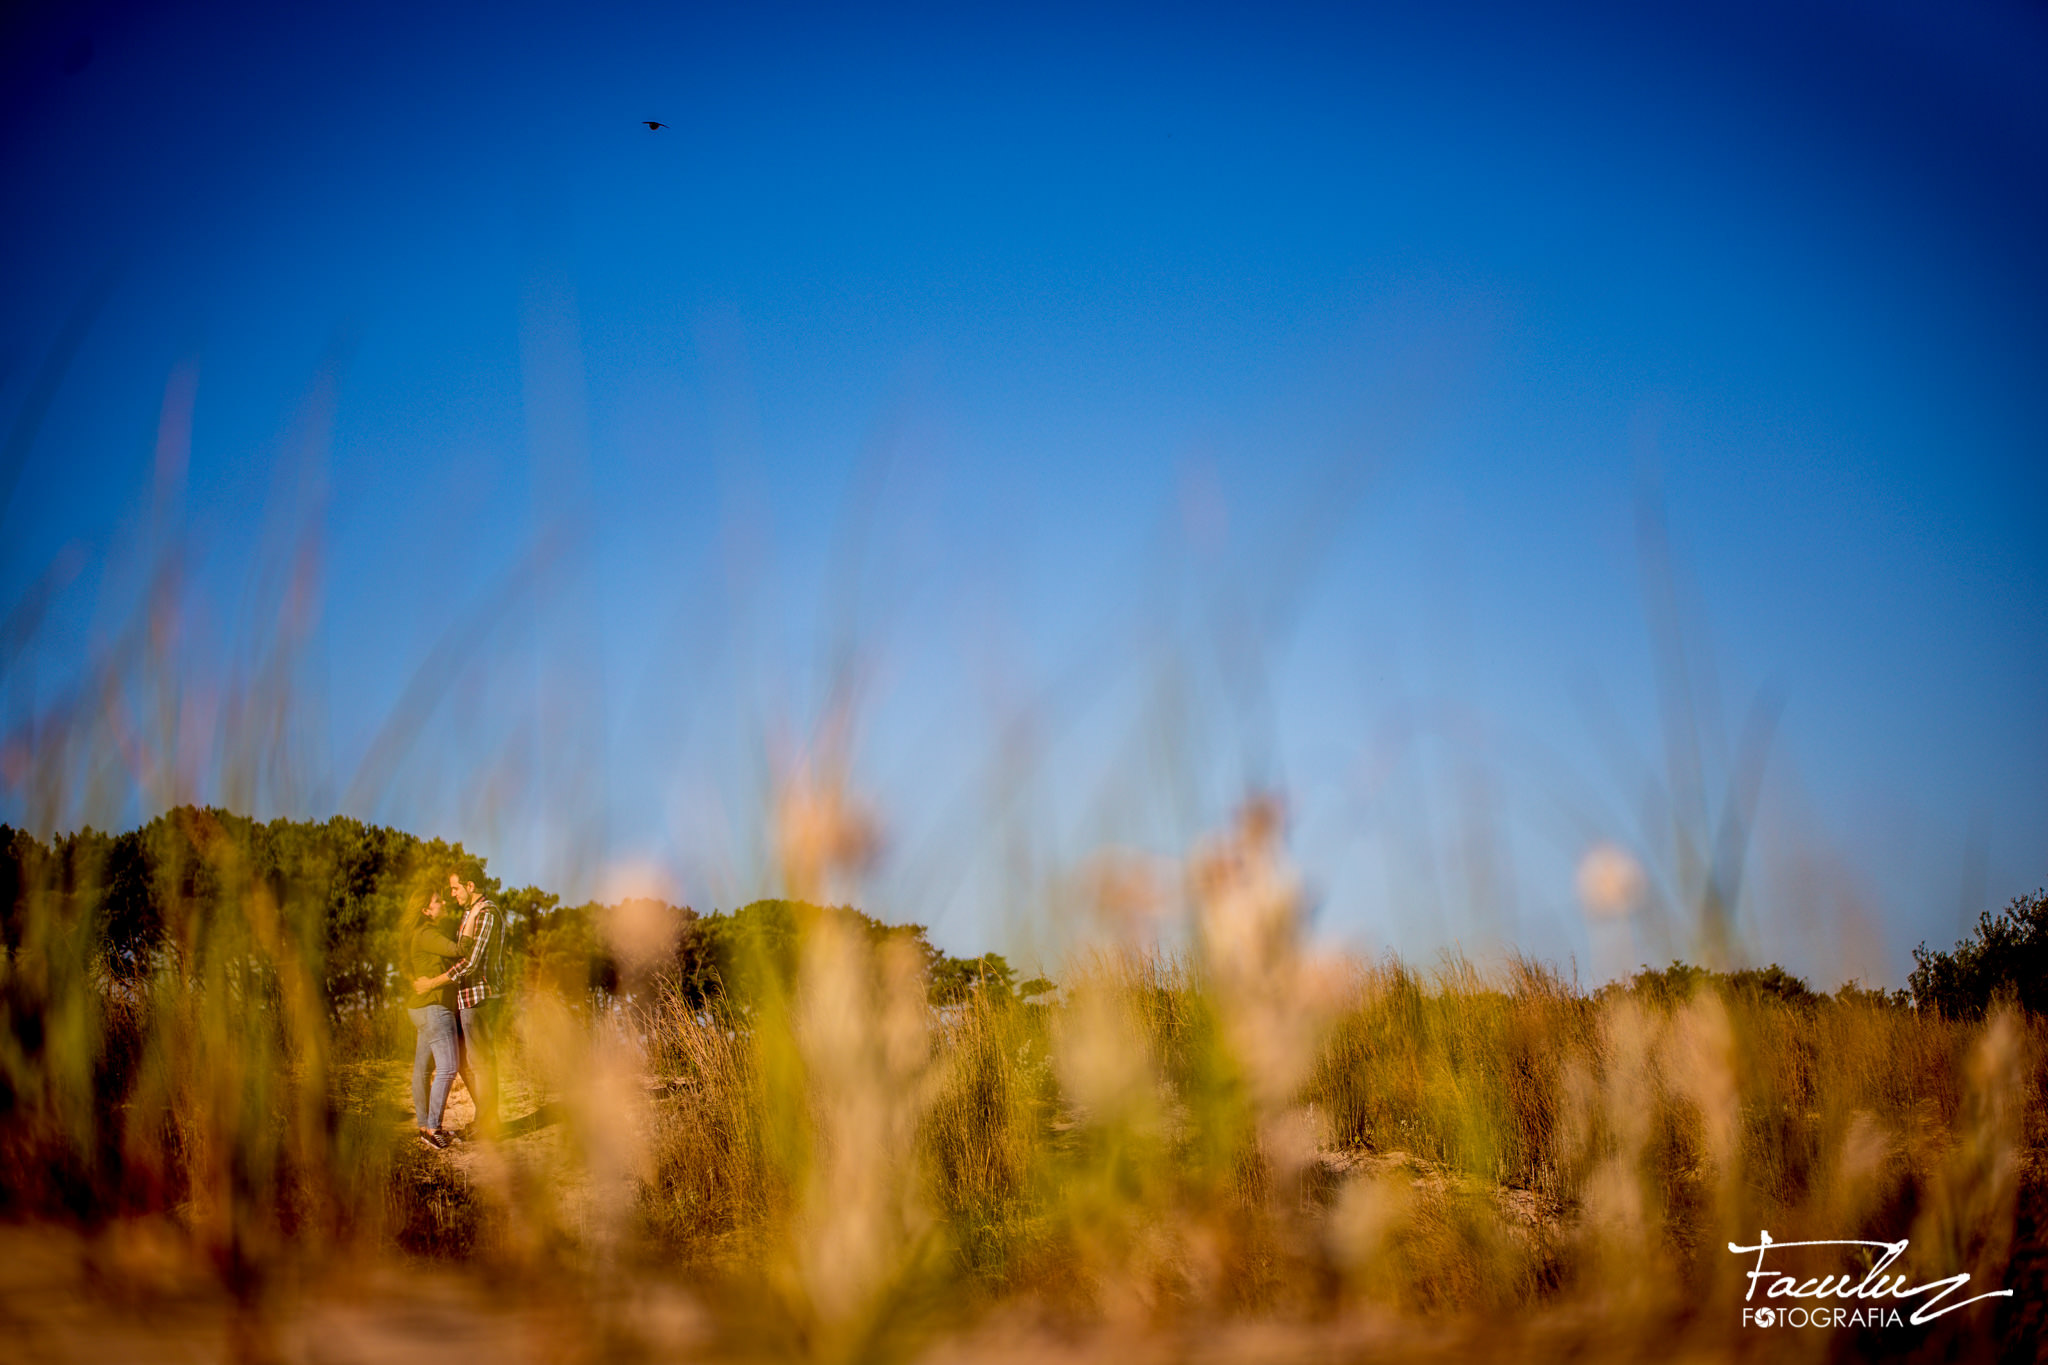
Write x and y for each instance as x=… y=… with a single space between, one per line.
x=427 y=951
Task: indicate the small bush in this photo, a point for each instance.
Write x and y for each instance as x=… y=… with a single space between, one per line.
x=2007 y=954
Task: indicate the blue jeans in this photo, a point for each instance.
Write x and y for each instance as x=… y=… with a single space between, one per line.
x=437 y=1052
x=480 y=1061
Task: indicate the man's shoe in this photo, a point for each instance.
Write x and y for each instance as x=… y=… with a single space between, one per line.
x=434 y=1141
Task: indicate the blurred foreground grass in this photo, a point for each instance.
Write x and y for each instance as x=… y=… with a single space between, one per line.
x=1245 y=1150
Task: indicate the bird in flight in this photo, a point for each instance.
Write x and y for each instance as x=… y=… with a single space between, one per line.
x=652 y=126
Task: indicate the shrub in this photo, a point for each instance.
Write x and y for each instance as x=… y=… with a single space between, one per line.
x=2006 y=954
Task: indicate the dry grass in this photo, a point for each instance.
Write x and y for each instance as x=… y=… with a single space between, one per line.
x=1246 y=1150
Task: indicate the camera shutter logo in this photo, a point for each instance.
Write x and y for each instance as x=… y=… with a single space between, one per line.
x=1766 y=1316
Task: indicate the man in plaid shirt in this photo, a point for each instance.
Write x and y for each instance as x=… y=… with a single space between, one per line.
x=480 y=976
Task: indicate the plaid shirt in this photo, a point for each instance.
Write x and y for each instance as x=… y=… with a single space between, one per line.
x=480 y=973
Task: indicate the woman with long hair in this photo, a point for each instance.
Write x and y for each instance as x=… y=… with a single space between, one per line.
x=437 y=1049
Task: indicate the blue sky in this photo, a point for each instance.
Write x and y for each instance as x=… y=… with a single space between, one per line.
x=1149 y=406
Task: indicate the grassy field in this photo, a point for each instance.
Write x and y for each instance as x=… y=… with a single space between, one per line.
x=1248 y=1151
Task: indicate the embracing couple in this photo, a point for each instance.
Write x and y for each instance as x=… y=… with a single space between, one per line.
x=454 y=952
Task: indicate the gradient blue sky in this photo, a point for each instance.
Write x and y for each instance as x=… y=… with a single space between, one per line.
x=1140 y=406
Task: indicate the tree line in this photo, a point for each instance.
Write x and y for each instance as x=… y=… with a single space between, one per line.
x=339 y=892
x=336 y=892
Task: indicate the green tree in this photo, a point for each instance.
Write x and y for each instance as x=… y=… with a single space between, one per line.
x=956 y=980
x=2006 y=954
